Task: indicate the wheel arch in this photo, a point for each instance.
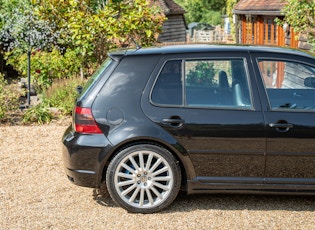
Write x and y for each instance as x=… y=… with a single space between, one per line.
x=176 y=150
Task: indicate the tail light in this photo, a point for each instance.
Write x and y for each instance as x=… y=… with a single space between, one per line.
x=84 y=121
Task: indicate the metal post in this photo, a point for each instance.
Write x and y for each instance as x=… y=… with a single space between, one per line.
x=29 y=78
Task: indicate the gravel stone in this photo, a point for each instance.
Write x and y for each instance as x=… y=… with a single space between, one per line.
x=35 y=194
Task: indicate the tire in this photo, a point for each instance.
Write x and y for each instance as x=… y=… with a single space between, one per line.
x=143 y=178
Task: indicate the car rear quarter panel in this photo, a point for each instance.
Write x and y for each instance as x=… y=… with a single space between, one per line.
x=118 y=102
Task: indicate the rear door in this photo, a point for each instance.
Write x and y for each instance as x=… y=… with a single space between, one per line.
x=289 y=86
x=211 y=110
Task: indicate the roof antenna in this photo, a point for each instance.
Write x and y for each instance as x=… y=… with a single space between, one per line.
x=137 y=45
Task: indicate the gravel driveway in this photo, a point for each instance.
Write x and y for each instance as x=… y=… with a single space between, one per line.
x=35 y=194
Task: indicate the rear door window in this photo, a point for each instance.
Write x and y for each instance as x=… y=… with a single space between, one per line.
x=216 y=83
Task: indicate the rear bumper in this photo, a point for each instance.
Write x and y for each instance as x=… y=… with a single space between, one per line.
x=83 y=157
x=82 y=178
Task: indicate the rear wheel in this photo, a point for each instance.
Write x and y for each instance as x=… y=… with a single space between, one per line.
x=143 y=178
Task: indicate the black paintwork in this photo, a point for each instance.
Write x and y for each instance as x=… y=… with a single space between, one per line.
x=220 y=150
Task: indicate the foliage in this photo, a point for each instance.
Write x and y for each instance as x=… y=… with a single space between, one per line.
x=72 y=36
x=202 y=74
x=229 y=11
x=22 y=30
x=206 y=11
x=20 y=27
x=38 y=114
x=300 y=14
x=9 y=98
x=65 y=37
x=46 y=66
x=194 y=11
x=92 y=28
x=230 y=6
x=62 y=94
x=215 y=5
x=214 y=17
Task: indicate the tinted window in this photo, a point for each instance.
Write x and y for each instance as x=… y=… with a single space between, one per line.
x=205 y=83
x=168 y=87
x=96 y=75
x=216 y=83
x=289 y=85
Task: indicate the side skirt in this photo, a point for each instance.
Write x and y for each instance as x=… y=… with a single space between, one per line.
x=251 y=186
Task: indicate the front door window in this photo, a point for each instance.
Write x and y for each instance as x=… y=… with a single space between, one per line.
x=289 y=85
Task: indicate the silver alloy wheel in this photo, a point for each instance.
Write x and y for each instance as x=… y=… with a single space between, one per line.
x=143 y=179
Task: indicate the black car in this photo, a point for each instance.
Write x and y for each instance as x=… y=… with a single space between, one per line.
x=197 y=118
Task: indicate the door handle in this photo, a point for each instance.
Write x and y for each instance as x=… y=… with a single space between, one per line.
x=281 y=127
x=176 y=122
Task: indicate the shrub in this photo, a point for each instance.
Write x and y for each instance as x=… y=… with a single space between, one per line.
x=9 y=99
x=62 y=94
x=38 y=114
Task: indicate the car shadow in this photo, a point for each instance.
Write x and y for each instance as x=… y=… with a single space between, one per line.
x=231 y=202
x=187 y=203
x=102 y=197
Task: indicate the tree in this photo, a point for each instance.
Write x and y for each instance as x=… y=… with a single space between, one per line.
x=22 y=29
x=207 y=11
x=94 y=27
x=214 y=5
x=300 y=14
x=194 y=11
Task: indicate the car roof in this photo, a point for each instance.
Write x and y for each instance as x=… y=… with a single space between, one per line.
x=202 y=48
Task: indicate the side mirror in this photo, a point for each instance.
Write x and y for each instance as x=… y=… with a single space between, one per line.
x=309 y=82
x=79 y=89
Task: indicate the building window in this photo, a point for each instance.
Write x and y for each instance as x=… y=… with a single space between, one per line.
x=270 y=31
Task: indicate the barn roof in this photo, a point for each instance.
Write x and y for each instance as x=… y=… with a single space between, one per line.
x=170 y=7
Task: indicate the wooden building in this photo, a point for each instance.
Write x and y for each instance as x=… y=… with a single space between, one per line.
x=255 y=23
x=174 y=27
